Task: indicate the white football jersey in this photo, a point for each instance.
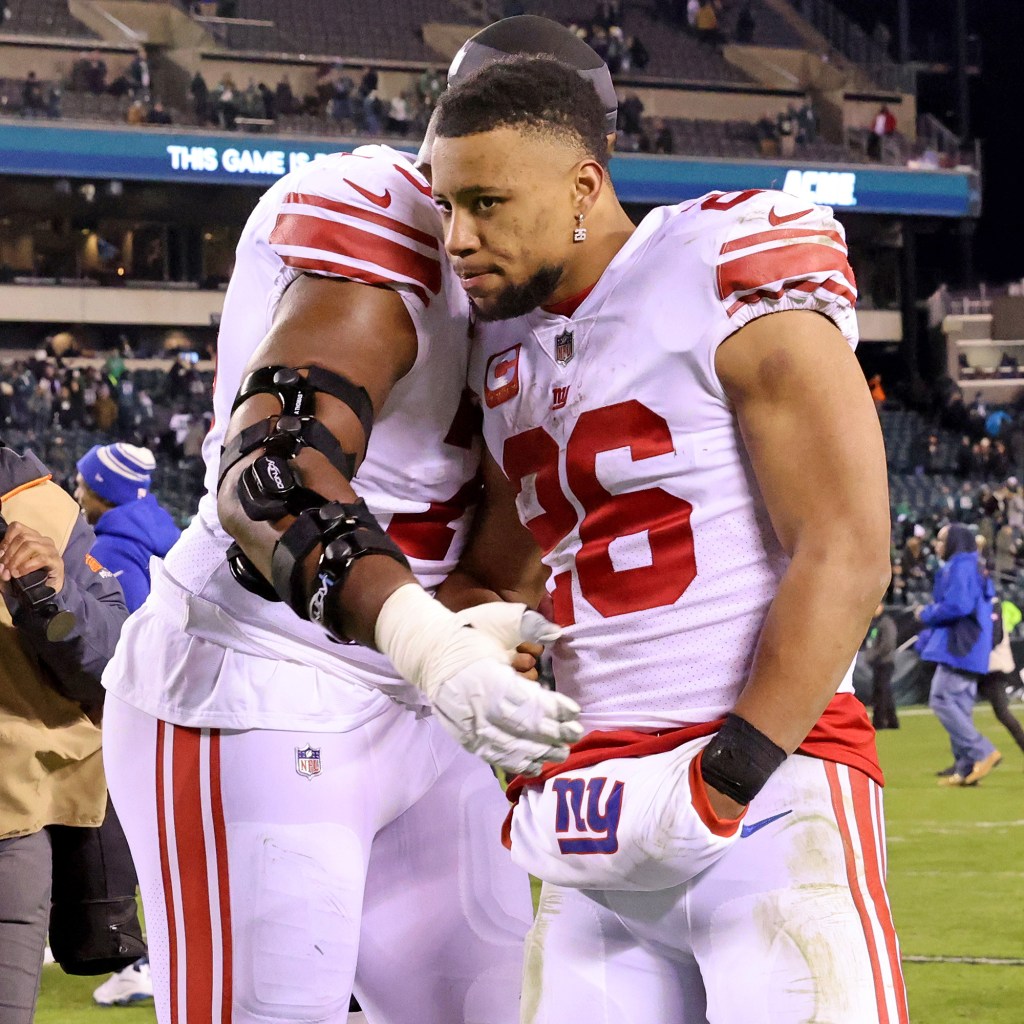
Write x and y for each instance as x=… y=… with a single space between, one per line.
x=631 y=474
x=368 y=217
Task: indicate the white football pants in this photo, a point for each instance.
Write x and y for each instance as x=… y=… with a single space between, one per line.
x=791 y=926
x=270 y=895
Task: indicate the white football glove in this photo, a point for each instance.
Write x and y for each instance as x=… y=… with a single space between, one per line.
x=461 y=663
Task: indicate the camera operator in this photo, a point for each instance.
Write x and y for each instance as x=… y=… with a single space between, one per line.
x=52 y=787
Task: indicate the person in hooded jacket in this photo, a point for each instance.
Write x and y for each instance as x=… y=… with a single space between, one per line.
x=958 y=639
x=131 y=526
x=112 y=487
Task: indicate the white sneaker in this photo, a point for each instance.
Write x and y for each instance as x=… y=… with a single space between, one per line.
x=127 y=986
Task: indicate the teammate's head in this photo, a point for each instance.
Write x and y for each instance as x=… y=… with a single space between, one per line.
x=533 y=35
x=519 y=157
x=528 y=34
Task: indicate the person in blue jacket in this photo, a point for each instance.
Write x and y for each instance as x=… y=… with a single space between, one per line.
x=112 y=487
x=958 y=638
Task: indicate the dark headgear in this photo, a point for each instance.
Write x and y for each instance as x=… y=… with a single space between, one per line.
x=529 y=34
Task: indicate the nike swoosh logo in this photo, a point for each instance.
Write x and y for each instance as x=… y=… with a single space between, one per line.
x=749 y=830
x=383 y=201
x=774 y=219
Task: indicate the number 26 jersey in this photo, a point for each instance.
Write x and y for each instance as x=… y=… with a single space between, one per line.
x=631 y=473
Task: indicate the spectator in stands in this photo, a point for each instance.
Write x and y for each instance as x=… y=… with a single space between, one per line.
x=369 y=83
x=879 y=652
x=958 y=640
x=398 y=115
x=267 y=108
x=138 y=76
x=630 y=121
x=104 y=411
x=707 y=23
x=158 y=115
x=639 y=57
x=745 y=24
x=692 y=11
x=767 y=133
x=883 y=125
x=429 y=88
x=136 y=113
x=966 y=459
x=284 y=98
x=53 y=100
x=225 y=103
x=663 y=141
x=786 y=131
x=807 y=124
x=341 y=98
x=200 y=93
x=913 y=561
x=32 y=103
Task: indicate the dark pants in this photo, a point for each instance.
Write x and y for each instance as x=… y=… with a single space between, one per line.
x=884 y=707
x=993 y=688
x=25 y=872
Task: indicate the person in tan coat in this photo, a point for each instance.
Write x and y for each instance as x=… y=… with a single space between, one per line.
x=51 y=771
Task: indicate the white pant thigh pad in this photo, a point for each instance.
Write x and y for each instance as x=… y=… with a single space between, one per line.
x=635 y=824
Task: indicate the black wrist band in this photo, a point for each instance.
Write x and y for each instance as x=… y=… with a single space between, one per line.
x=740 y=760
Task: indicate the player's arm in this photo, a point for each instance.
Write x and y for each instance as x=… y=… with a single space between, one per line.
x=305 y=538
x=370 y=343
x=812 y=433
x=501 y=560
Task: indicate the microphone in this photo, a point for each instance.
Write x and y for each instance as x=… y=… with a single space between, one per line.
x=33 y=591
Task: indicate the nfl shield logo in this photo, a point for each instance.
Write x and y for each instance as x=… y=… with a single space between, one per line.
x=307 y=761
x=564 y=347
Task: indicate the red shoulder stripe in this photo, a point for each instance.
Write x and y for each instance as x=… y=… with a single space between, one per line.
x=794 y=262
x=343 y=240
x=353 y=273
x=782 y=235
x=304 y=199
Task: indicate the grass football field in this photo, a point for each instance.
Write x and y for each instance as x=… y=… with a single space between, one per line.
x=956 y=881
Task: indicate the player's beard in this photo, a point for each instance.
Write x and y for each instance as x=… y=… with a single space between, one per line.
x=519 y=299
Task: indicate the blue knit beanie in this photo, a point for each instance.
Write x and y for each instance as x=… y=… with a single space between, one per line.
x=118 y=473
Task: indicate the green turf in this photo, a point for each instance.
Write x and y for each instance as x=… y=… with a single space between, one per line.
x=956 y=879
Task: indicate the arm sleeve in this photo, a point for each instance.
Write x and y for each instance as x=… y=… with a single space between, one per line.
x=366 y=217
x=94 y=597
x=772 y=252
x=133 y=581
x=958 y=600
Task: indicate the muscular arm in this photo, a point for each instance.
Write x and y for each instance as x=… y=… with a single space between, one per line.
x=812 y=434
x=365 y=334
x=501 y=561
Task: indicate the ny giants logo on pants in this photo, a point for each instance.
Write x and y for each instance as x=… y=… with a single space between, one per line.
x=600 y=829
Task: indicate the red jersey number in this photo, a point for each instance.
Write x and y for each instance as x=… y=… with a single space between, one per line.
x=607 y=517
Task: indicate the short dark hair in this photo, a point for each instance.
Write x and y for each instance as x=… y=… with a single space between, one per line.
x=538 y=94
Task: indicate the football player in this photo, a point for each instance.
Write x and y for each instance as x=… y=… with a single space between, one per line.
x=692 y=444
x=301 y=823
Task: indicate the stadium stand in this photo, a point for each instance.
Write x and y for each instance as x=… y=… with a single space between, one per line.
x=44 y=18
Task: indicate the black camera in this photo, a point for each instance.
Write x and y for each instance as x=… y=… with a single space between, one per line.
x=38 y=596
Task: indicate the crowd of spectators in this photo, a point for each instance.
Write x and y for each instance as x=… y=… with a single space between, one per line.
x=604 y=32
x=351 y=98
x=60 y=410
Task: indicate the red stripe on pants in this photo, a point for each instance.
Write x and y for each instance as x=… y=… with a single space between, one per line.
x=195 y=884
x=165 y=869
x=850 y=856
x=224 y=891
x=876 y=887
